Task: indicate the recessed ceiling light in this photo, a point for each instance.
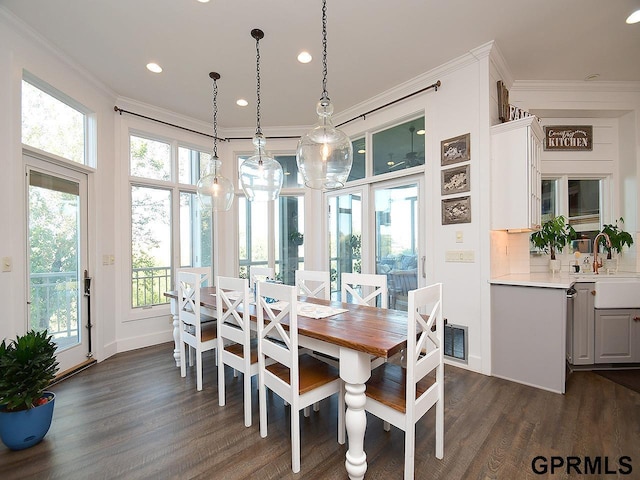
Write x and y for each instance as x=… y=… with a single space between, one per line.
x=362 y=150
x=420 y=132
x=304 y=57
x=241 y=102
x=203 y=1
x=154 y=67
x=591 y=76
x=634 y=17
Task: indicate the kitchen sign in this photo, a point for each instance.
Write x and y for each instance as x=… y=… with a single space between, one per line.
x=568 y=137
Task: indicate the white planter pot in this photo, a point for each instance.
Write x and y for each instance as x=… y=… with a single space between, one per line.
x=554 y=265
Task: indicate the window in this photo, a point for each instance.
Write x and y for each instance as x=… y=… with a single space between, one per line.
x=581 y=205
x=289 y=238
x=150 y=245
x=272 y=233
x=168 y=228
x=584 y=209
x=53 y=122
x=399 y=147
x=345 y=237
x=358 y=169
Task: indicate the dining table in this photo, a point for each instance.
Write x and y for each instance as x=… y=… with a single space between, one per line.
x=354 y=335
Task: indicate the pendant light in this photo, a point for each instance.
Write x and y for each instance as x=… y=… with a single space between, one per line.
x=215 y=192
x=261 y=175
x=324 y=154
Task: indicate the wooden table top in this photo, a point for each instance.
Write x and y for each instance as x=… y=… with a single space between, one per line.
x=376 y=331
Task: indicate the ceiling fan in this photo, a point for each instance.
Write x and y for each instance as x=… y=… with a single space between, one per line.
x=412 y=158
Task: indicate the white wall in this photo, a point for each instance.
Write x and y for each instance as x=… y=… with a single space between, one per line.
x=21 y=48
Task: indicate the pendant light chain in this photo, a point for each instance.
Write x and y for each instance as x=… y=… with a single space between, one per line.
x=325 y=94
x=215 y=117
x=258 y=130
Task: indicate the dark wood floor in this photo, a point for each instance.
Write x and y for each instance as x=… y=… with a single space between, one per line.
x=133 y=417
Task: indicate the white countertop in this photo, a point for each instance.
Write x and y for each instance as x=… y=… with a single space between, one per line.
x=544 y=280
x=558 y=280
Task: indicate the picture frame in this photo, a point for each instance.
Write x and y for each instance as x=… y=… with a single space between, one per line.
x=455 y=180
x=455 y=149
x=456 y=210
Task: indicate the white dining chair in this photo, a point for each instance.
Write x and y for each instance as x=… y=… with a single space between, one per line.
x=201 y=337
x=313 y=283
x=206 y=280
x=235 y=345
x=205 y=275
x=300 y=380
x=260 y=274
x=401 y=396
x=365 y=289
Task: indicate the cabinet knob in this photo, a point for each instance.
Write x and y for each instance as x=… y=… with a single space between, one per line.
x=593 y=292
x=636 y=319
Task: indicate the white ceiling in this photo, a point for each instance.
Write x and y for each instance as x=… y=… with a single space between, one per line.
x=373 y=45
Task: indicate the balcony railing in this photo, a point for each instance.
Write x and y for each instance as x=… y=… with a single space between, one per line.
x=54 y=303
x=148 y=285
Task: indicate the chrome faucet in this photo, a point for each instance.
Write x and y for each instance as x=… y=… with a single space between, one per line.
x=597 y=265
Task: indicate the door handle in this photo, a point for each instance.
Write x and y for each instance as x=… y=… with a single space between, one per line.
x=424 y=260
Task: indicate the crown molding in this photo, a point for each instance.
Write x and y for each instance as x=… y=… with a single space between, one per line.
x=575 y=86
x=502 y=68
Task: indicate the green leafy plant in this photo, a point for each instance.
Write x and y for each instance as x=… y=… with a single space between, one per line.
x=617 y=236
x=554 y=235
x=296 y=238
x=27 y=367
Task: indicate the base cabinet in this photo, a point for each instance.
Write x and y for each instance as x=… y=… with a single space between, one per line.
x=581 y=351
x=617 y=335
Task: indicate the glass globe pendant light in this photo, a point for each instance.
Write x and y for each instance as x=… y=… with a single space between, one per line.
x=215 y=192
x=324 y=153
x=261 y=175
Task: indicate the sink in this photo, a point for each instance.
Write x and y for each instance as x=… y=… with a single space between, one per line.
x=617 y=293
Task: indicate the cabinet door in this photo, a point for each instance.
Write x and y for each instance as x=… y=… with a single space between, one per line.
x=515 y=174
x=614 y=336
x=583 y=325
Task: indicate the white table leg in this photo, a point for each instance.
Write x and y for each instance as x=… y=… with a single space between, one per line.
x=176 y=331
x=355 y=370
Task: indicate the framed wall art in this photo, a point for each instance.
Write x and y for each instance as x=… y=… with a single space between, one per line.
x=455 y=180
x=455 y=150
x=456 y=210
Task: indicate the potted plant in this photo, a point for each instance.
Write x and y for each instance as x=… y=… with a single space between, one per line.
x=296 y=238
x=618 y=238
x=27 y=367
x=554 y=235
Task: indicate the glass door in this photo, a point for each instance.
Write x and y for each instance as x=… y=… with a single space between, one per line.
x=345 y=236
x=398 y=238
x=57 y=258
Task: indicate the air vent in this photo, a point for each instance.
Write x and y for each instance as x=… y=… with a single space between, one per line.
x=455 y=342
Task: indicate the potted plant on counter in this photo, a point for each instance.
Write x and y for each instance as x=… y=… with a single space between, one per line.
x=552 y=237
x=27 y=367
x=618 y=238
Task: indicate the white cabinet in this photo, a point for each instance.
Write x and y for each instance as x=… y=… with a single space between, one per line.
x=516 y=182
x=580 y=337
x=617 y=335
